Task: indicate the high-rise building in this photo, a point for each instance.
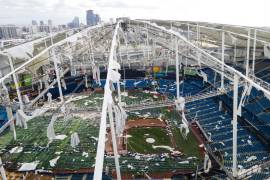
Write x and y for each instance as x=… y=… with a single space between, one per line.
x=8 y=32
x=34 y=23
x=91 y=18
x=75 y=23
x=43 y=27
x=97 y=18
x=34 y=29
x=62 y=27
x=49 y=22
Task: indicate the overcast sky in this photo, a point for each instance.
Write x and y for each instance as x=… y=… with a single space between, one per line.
x=239 y=12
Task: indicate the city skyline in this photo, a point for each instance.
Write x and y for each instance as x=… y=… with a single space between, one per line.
x=61 y=12
x=50 y=22
x=44 y=27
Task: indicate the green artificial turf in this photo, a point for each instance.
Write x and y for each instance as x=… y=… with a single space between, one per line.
x=93 y=100
x=188 y=146
x=137 y=141
x=134 y=97
x=138 y=97
x=5 y=138
x=34 y=142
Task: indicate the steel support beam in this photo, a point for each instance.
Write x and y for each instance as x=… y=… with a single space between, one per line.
x=16 y=83
x=114 y=142
x=119 y=92
x=57 y=75
x=177 y=70
x=46 y=90
x=9 y=113
x=255 y=82
x=234 y=123
x=2 y=170
x=198 y=34
x=102 y=129
x=70 y=38
x=248 y=49
x=234 y=53
x=222 y=58
x=254 y=51
x=147 y=43
x=227 y=31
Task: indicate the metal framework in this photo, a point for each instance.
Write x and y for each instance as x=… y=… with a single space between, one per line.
x=89 y=47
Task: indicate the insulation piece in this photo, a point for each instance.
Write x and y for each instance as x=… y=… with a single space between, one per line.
x=115 y=76
x=180 y=104
x=49 y=95
x=207 y=163
x=266 y=50
x=184 y=126
x=2 y=171
x=21 y=119
x=63 y=83
x=115 y=65
x=96 y=74
x=203 y=75
x=26 y=99
x=120 y=119
x=86 y=81
x=74 y=141
x=50 y=129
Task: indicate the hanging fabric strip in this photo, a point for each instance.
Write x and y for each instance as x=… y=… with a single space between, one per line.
x=266 y=50
x=203 y=75
x=108 y=96
x=86 y=81
x=63 y=83
x=123 y=117
x=117 y=115
x=115 y=76
x=120 y=119
x=199 y=55
x=207 y=163
x=40 y=84
x=61 y=72
x=50 y=129
x=74 y=140
x=96 y=74
x=184 y=120
x=115 y=65
x=180 y=103
x=112 y=86
x=21 y=119
x=2 y=170
x=49 y=95
x=46 y=80
x=267 y=96
x=246 y=92
x=26 y=99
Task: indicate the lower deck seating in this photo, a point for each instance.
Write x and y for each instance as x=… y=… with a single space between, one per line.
x=255 y=110
x=217 y=125
x=164 y=86
x=3 y=116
